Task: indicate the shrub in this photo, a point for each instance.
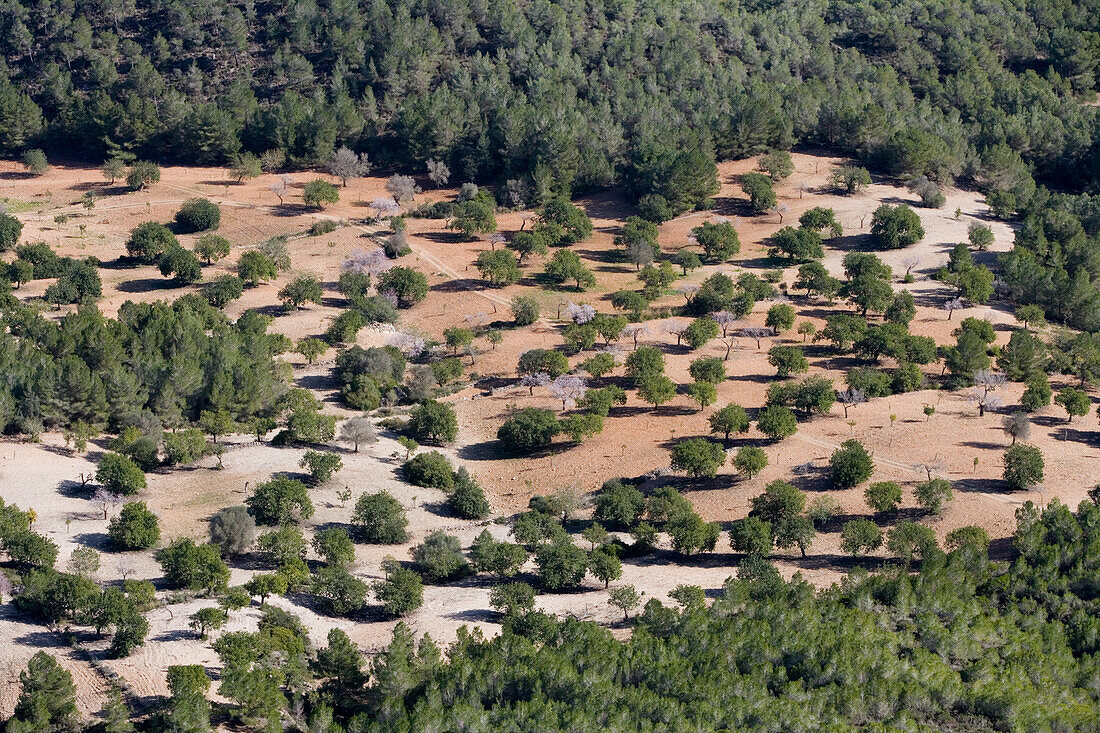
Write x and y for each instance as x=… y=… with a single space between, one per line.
x=439 y=558
x=529 y=430
x=340 y=591
x=198 y=215
x=468 y=499
x=932 y=495
x=851 y=464
x=401 y=592
x=698 y=457
x=431 y=469
x=883 y=496
x=433 y=422
x=525 y=310
x=380 y=519
x=752 y=536
x=335 y=546
x=1023 y=466
x=119 y=475
x=322 y=465
x=969 y=536
x=198 y=567
x=860 y=536
x=135 y=527
x=777 y=422
x=232 y=529
x=279 y=501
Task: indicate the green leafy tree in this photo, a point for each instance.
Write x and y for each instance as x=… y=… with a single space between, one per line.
x=319 y=192
x=499 y=267
x=198 y=567
x=198 y=215
x=47 y=697
x=119 y=474
x=401 y=593
x=134 y=528
x=468 y=499
x=1074 y=401
x=299 y=291
x=895 y=227
x=380 y=519
x=933 y=494
x=431 y=469
x=604 y=564
x=883 y=496
x=409 y=286
x=750 y=460
x=433 y=422
x=566 y=266
x=254 y=266
x=339 y=591
x=206 y=620
x=780 y=317
x=530 y=429
x=280 y=500
x=758 y=188
x=703 y=393
x=188 y=708
x=850 y=464
x=909 y=540
x=149 y=240
x=142 y=173
x=728 y=420
x=752 y=536
x=489 y=555
x=439 y=558
x=656 y=390
x=787 y=360
x=1023 y=467
x=561 y=564
x=321 y=465
x=233 y=530
x=719 y=240
x=860 y=536
x=776 y=422
x=512 y=599
x=698 y=457
x=777 y=164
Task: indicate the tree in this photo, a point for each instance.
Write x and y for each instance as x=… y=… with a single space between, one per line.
x=439 y=558
x=1037 y=394
x=222 y=290
x=409 y=286
x=728 y=420
x=750 y=460
x=135 y=527
x=358 y=430
x=338 y=590
x=908 y=540
x=335 y=546
x=401 y=593
x=759 y=189
x=500 y=558
x=149 y=240
x=700 y=331
x=198 y=215
x=211 y=247
x=499 y=267
x=698 y=457
x=777 y=164
x=525 y=310
x=704 y=393
x=319 y=192
x=245 y=166
x=1074 y=401
x=851 y=465
x=29 y=549
x=1016 y=426
x=266 y=584
x=970 y=536
x=527 y=243
x=799 y=245
x=752 y=536
x=47 y=697
x=850 y=179
x=380 y=519
x=345 y=164
x=626 y=599
x=116 y=713
x=233 y=530
x=860 y=536
x=1031 y=315
x=113 y=169
x=787 y=360
x=402 y=188
x=895 y=227
x=980 y=236
x=254 y=266
x=565 y=265
x=776 y=422
x=10 y=229
x=1023 y=467
x=562 y=223
x=142 y=173
x=779 y=502
x=780 y=317
x=198 y=567
x=475 y=217
x=820 y=218
x=883 y=496
x=512 y=599
x=429 y=469
x=561 y=564
x=933 y=494
x=529 y=430
x=719 y=240
x=433 y=422
x=814 y=278
x=656 y=390
x=119 y=474
x=206 y=620
x=468 y=500
x=299 y=291
x=279 y=501
x=181 y=264
x=189 y=710
x=868 y=285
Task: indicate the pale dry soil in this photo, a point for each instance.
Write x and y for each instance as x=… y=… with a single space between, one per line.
x=635 y=441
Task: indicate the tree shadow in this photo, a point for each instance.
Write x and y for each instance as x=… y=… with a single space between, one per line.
x=445 y=237
x=981 y=485
x=96 y=540
x=833 y=561
x=16 y=175
x=460 y=285
x=984 y=445
x=147 y=285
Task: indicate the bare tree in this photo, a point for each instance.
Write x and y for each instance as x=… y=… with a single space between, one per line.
x=476 y=321
x=757 y=333
x=568 y=389
x=279 y=188
x=538 y=379
x=371 y=262
x=345 y=164
x=580 y=314
x=780 y=210
x=725 y=319
x=678 y=329
x=634 y=331
x=850 y=398
x=438 y=172
x=358 y=430
x=408 y=344
x=687 y=290
x=934 y=466
x=106 y=500
x=402 y=188
x=987 y=382
x=385 y=206
x=496 y=238
x=953 y=305
x=1016 y=426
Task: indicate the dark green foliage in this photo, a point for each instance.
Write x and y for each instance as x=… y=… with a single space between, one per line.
x=335 y=546
x=860 y=536
x=933 y=494
x=430 y=469
x=698 y=457
x=282 y=546
x=409 y=286
x=525 y=310
x=223 y=290
x=883 y=496
x=500 y=558
x=149 y=241
x=198 y=215
x=787 y=360
x=135 y=527
x=776 y=422
x=752 y=536
x=232 y=529
x=439 y=558
x=561 y=564
x=619 y=505
x=380 y=519
x=759 y=189
x=10 y=229
x=718 y=240
x=280 y=500
x=47 y=698
x=529 y=430
x=851 y=465
x=1023 y=467
x=402 y=591
x=198 y=567
x=341 y=592
x=468 y=500
x=433 y=422
x=119 y=474
x=542 y=361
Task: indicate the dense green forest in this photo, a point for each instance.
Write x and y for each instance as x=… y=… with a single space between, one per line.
x=963 y=644
x=559 y=94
